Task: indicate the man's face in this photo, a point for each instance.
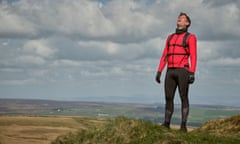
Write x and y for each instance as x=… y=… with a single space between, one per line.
x=182 y=22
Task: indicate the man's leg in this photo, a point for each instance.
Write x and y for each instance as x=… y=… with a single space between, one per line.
x=183 y=91
x=170 y=88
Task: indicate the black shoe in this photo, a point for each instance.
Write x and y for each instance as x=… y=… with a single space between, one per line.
x=166 y=125
x=183 y=129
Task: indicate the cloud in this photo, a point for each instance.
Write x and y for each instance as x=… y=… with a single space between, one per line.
x=218 y=23
x=108 y=50
x=227 y=62
x=38 y=48
x=219 y=3
x=13 y=25
x=31 y=60
x=17 y=82
x=79 y=19
x=111 y=43
x=118 y=21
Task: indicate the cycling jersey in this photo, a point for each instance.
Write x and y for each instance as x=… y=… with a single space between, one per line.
x=175 y=55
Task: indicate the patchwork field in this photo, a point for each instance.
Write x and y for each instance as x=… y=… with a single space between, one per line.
x=198 y=115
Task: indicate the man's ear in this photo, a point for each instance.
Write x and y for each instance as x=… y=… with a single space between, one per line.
x=187 y=23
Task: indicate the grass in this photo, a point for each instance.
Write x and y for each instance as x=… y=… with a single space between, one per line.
x=120 y=130
x=127 y=131
x=229 y=127
x=41 y=130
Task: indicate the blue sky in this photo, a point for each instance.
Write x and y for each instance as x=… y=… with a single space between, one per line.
x=109 y=50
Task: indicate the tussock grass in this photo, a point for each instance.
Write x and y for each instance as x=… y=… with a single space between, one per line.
x=127 y=131
x=227 y=127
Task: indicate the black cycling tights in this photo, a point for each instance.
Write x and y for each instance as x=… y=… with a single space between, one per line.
x=176 y=78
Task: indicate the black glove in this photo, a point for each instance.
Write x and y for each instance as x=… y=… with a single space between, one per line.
x=158 y=76
x=191 y=78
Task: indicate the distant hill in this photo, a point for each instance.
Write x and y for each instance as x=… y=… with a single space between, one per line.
x=198 y=115
x=126 y=131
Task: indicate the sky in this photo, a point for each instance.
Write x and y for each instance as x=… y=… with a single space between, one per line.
x=109 y=50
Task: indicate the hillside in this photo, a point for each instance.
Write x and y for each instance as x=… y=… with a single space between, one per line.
x=228 y=127
x=125 y=131
x=42 y=130
x=120 y=130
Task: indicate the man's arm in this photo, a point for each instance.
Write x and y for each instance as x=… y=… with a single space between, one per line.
x=193 y=53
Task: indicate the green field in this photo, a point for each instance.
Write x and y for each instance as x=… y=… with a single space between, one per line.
x=198 y=115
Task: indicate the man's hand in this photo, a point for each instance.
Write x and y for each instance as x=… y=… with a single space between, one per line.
x=158 y=76
x=191 y=78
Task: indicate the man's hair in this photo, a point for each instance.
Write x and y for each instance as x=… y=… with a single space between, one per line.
x=188 y=18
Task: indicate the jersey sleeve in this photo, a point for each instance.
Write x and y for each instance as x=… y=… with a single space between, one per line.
x=163 y=59
x=193 y=53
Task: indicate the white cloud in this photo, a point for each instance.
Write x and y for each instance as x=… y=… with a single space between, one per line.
x=5 y=43
x=118 y=42
x=208 y=50
x=117 y=20
x=107 y=47
x=39 y=47
x=17 y=82
x=12 y=24
x=66 y=62
x=32 y=60
x=226 y=62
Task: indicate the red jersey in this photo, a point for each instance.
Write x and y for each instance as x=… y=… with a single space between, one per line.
x=177 y=56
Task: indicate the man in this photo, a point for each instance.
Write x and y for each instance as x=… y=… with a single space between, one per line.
x=180 y=55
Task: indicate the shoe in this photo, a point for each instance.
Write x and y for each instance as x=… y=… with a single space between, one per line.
x=166 y=125
x=183 y=129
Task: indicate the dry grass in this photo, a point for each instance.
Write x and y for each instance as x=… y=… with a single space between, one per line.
x=227 y=127
x=40 y=130
x=128 y=131
x=44 y=130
